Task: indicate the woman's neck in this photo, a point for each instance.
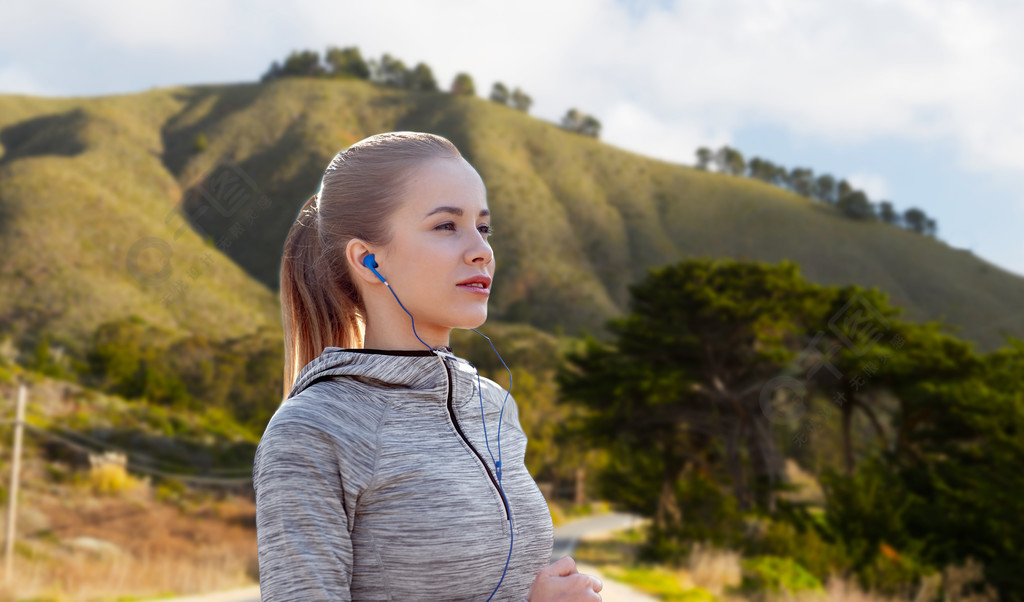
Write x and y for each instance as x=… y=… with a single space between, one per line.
x=403 y=339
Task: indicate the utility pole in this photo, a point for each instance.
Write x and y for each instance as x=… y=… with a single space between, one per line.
x=12 y=497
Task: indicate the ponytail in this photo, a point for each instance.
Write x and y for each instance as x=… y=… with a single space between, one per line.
x=318 y=311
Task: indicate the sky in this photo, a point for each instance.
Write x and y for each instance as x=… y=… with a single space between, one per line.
x=914 y=101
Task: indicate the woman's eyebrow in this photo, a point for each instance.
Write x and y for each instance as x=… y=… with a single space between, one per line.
x=455 y=211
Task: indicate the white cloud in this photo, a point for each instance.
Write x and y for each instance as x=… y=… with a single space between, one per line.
x=873 y=185
x=16 y=78
x=662 y=76
x=635 y=129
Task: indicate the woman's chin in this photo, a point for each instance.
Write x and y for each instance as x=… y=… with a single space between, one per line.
x=473 y=321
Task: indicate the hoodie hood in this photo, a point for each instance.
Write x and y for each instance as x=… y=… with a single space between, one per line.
x=413 y=369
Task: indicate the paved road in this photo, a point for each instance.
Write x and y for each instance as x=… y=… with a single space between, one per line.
x=566 y=538
x=568 y=535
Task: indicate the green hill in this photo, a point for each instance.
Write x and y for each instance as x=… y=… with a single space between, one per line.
x=83 y=194
x=82 y=180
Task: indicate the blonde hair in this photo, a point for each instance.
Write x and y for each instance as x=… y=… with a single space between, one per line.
x=361 y=187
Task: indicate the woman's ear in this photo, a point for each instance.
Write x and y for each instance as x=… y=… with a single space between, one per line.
x=355 y=251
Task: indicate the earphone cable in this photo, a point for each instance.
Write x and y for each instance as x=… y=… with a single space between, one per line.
x=497 y=463
x=410 y=317
x=501 y=414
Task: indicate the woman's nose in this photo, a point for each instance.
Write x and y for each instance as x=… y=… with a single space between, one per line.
x=481 y=252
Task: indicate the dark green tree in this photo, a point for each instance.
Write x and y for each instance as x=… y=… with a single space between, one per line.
x=390 y=71
x=915 y=219
x=591 y=127
x=844 y=351
x=844 y=188
x=801 y=181
x=856 y=205
x=346 y=62
x=780 y=176
x=577 y=121
x=422 y=79
x=887 y=213
x=302 y=63
x=704 y=156
x=825 y=188
x=730 y=161
x=274 y=72
x=683 y=383
x=951 y=460
x=499 y=93
x=463 y=85
x=760 y=169
x=961 y=446
x=521 y=101
x=573 y=120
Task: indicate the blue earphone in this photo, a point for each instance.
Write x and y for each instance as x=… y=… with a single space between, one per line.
x=371 y=262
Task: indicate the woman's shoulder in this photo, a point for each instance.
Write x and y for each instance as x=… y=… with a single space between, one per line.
x=323 y=425
x=329 y=409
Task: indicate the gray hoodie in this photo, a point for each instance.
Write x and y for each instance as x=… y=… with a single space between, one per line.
x=373 y=481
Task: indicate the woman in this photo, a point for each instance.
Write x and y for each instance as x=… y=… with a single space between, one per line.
x=381 y=477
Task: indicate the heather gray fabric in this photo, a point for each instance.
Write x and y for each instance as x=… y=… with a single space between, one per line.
x=366 y=490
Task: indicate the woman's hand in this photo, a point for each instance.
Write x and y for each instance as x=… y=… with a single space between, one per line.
x=561 y=581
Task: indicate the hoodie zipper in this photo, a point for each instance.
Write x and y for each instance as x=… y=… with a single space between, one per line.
x=458 y=429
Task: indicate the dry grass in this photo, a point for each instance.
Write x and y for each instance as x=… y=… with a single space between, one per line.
x=79 y=574
x=92 y=547
x=714 y=569
x=958 y=580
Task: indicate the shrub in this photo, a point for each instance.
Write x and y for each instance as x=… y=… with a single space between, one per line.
x=709 y=515
x=170 y=490
x=776 y=574
x=112 y=479
x=802 y=543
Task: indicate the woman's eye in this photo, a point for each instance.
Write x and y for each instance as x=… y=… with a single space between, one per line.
x=446 y=226
x=485 y=229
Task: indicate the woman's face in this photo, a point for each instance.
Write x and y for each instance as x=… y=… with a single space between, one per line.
x=439 y=262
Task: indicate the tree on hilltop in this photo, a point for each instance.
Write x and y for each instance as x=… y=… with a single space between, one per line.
x=499 y=93
x=463 y=85
x=825 y=188
x=346 y=62
x=521 y=100
x=801 y=181
x=730 y=161
x=577 y=121
x=915 y=219
x=422 y=79
x=887 y=213
x=390 y=71
x=303 y=63
x=704 y=156
x=856 y=205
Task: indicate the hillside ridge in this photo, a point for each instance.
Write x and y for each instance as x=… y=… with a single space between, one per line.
x=578 y=220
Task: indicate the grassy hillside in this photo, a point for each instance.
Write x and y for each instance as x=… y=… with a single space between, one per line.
x=81 y=180
x=89 y=229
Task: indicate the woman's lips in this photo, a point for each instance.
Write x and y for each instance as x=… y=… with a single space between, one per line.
x=477 y=288
x=478 y=285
